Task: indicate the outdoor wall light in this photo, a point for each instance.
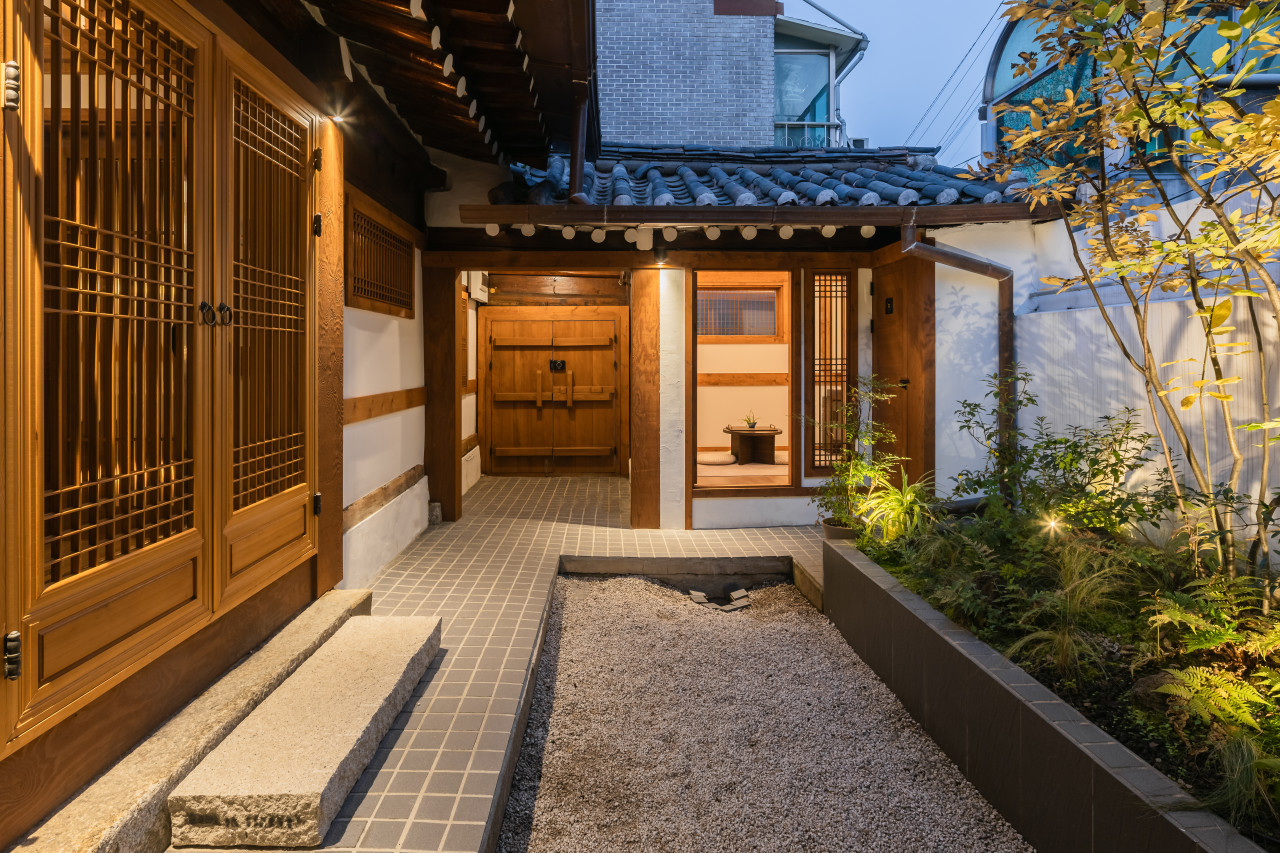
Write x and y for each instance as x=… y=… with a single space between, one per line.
x=336 y=119
x=660 y=257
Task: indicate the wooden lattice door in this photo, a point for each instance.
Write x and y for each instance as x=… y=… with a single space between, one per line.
x=267 y=362
x=120 y=567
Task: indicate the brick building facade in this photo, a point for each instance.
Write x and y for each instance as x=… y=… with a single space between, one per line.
x=674 y=72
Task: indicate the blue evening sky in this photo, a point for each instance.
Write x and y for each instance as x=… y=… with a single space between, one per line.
x=915 y=45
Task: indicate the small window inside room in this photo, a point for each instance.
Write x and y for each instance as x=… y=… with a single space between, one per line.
x=744 y=412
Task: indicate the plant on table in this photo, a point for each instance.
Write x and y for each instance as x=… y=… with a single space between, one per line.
x=750 y=419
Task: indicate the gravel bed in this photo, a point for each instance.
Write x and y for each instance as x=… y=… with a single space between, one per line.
x=658 y=724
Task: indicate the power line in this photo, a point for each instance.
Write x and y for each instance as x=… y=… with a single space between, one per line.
x=951 y=96
x=952 y=76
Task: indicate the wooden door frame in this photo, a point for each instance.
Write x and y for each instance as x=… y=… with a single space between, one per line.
x=488 y=314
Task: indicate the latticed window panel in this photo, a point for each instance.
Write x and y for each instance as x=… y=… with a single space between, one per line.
x=269 y=289
x=725 y=312
x=119 y=283
x=831 y=342
x=381 y=266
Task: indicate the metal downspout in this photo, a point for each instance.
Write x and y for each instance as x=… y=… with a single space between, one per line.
x=952 y=257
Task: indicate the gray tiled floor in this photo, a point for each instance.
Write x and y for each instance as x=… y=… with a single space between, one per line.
x=435 y=780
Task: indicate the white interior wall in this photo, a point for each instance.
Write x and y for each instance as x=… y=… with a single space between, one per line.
x=721 y=406
x=469 y=182
x=671 y=371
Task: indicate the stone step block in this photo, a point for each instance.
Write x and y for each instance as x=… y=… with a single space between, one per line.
x=280 y=778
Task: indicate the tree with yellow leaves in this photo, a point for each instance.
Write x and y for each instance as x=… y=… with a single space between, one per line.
x=1166 y=165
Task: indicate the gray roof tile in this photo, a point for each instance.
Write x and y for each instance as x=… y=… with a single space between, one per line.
x=729 y=176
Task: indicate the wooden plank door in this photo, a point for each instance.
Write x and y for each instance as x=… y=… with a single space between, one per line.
x=538 y=418
x=585 y=412
x=266 y=338
x=903 y=356
x=117 y=569
x=519 y=395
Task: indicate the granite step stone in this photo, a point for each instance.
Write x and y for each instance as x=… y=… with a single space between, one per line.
x=280 y=778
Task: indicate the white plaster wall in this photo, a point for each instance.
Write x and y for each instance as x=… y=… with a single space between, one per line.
x=671 y=371
x=718 y=513
x=382 y=353
x=469 y=182
x=470 y=469
x=472 y=342
x=965 y=331
x=378 y=450
x=468 y=415
x=374 y=542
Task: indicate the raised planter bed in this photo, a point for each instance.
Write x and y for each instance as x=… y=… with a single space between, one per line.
x=1061 y=781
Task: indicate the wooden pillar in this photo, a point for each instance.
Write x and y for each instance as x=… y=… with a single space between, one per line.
x=646 y=442
x=329 y=304
x=442 y=341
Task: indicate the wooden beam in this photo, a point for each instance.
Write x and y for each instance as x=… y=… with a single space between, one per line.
x=441 y=338
x=741 y=380
x=330 y=299
x=650 y=216
x=357 y=409
x=360 y=509
x=646 y=443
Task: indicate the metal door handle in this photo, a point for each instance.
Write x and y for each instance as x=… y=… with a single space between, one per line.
x=207 y=314
x=224 y=311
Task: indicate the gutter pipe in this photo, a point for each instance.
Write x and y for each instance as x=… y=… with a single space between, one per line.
x=913 y=244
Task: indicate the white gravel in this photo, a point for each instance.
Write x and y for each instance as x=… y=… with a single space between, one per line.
x=660 y=725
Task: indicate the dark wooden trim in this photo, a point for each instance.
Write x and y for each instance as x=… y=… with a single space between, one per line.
x=690 y=392
x=441 y=337
x=358 y=510
x=468 y=444
x=886 y=255
x=356 y=409
x=795 y=464
x=653 y=217
x=760 y=8
x=646 y=404
x=37 y=778
x=472 y=386
x=755 y=492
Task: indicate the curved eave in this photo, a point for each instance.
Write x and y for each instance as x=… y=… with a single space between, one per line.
x=658 y=217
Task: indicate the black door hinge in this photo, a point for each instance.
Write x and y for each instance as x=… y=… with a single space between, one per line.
x=12 y=86
x=315 y=504
x=872 y=330
x=12 y=655
x=317 y=225
x=317 y=159
x=873 y=288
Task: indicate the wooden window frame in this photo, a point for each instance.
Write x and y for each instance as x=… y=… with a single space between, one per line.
x=359 y=202
x=808 y=360
x=782 y=312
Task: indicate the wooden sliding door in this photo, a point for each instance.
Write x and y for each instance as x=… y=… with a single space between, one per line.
x=265 y=351
x=159 y=347
x=124 y=547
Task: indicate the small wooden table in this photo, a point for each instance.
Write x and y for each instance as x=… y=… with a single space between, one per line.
x=753 y=444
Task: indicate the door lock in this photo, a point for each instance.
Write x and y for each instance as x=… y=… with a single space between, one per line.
x=557 y=365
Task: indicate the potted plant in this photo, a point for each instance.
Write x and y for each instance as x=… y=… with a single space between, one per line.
x=862 y=462
x=750 y=419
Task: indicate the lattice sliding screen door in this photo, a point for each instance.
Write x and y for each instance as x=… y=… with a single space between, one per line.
x=122 y=565
x=831 y=361
x=268 y=305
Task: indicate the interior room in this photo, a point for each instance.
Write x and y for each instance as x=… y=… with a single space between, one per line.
x=744 y=411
